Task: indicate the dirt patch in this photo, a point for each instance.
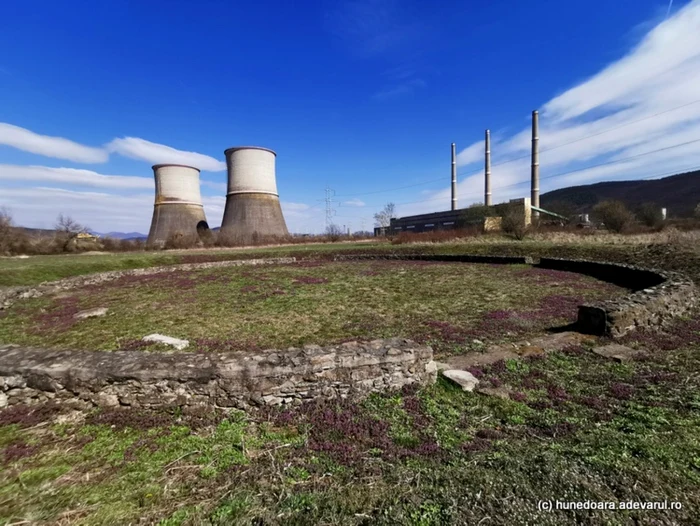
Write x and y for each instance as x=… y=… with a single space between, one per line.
x=514 y=351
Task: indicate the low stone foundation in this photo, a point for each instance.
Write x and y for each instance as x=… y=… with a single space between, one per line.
x=646 y=309
x=150 y=379
x=657 y=296
x=448 y=258
x=8 y=295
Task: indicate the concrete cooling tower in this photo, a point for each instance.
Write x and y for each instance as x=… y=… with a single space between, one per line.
x=178 y=207
x=253 y=210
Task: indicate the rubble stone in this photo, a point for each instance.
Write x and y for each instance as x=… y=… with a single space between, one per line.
x=273 y=377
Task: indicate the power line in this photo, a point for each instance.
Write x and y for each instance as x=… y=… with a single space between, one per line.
x=620 y=126
x=330 y=212
x=673 y=172
x=623 y=159
x=561 y=174
x=476 y=172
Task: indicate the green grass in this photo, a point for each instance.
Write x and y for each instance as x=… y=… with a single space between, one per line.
x=491 y=457
x=277 y=306
x=578 y=428
x=39 y=269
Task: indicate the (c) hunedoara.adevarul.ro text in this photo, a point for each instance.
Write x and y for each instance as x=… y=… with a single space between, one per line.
x=553 y=505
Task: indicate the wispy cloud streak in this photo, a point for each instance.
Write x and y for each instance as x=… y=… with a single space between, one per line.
x=48 y=146
x=643 y=102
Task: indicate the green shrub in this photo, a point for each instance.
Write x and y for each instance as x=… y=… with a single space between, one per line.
x=614 y=215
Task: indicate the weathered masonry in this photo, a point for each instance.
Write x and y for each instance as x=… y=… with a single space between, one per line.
x=273 y=377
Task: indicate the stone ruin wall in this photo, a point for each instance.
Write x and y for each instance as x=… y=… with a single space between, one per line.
x=275 y=377
x=657 y=297
x=154 y=379
x=8 y=295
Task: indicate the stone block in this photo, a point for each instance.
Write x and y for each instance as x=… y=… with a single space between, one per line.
x=466 y=380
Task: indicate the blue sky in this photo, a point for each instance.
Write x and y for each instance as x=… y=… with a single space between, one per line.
x=364 y=96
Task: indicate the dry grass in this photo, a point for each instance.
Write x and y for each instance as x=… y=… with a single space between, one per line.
x=309 y=302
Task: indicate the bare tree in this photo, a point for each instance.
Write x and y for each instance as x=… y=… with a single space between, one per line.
x=334 y=232
x=383 y=218
x=6 y=231
x=513 y=222
x=651 y=215
x=67 y=230
x=614 y=215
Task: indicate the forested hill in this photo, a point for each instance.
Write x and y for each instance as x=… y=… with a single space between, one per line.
x=679 y=194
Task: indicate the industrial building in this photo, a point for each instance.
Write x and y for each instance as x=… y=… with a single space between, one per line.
x=253 y=208
x=459 y=218
x=178 y=206
x=451 y=219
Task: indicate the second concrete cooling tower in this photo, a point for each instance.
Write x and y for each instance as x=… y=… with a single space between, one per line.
x=178 y=209
x=253 y=210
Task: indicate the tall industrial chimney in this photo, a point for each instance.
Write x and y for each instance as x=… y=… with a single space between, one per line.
x=535 y=185
x=454 y=177
x=487 y=170
x=178 y=206
x=253 y=210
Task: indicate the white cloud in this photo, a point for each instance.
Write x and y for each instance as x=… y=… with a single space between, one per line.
x=404 y=88
x=212 y=184
x=56 y=147
x=471 y=154
x=38 y=208
x=155 y=153
x=354 y=202
x=374 y=27
x=288 y=206
x=132 y=147
x=73 y=176
x=643 y=102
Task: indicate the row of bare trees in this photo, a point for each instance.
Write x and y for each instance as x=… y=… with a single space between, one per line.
x=65 y=238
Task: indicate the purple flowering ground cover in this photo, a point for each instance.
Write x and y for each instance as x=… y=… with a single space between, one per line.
x=447 y=305
x=574 y=426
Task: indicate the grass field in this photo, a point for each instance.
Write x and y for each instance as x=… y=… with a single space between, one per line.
x=577 y=427
x=277 y=306
x=37 y=269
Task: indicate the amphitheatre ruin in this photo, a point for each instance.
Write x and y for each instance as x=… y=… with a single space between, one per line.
x=222 y=386
x=103 y=373
x=254 y=379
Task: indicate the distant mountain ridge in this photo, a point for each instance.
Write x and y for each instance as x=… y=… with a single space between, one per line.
x=679 y=194
x=113 y=235
x=121 y=235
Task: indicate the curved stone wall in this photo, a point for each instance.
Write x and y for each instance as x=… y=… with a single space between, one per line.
x=152 y=379
x=8 y=295
x=143 y=379
x=457 y=258
x=657 y=296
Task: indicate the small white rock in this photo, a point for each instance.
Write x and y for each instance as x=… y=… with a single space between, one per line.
x=167 y=340
x=441 y=366
x=92 y=313
x=3 y=400
x=464 y=378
